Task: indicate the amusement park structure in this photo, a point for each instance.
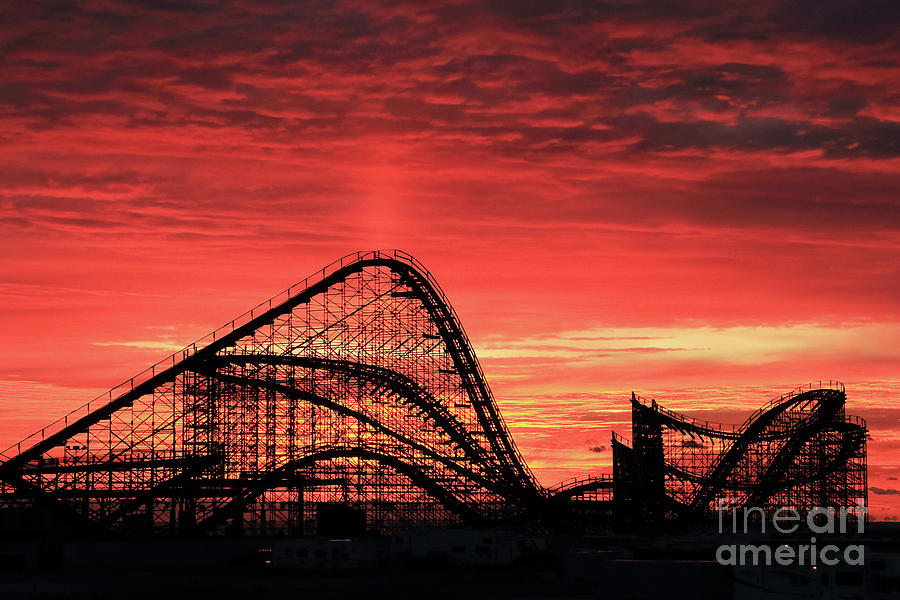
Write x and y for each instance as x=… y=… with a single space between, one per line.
x=353 y=402
x=799 y=451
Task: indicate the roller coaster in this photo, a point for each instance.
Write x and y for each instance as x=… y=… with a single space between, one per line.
x=800 y=451
x=353 y=402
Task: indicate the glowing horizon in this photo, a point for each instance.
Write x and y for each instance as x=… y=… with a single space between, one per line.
x=564 y=431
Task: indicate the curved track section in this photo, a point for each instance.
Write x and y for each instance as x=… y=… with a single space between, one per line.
x=357 y=387
x=799 y=450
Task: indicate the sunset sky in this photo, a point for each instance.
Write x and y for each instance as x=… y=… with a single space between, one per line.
x=695 y=203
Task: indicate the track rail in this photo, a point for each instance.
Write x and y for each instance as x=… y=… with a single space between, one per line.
x=490 y=458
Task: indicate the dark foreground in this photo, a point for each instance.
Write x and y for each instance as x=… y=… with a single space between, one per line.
x=433 y=565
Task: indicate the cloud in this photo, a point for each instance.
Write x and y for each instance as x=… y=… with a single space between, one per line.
x=884 y=491
x=846 y=106
x=740 y=345
x=861 y=137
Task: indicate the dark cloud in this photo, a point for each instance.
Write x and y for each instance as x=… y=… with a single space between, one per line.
x=539 y=14
x=860 y=137
x=884 y=491
x=846 y=106
x=587 y=94
x=871 y=23
x=815 y=198
x=843 y=20
x=435 y=113
x=210 y=78
x=721 y=86
x=587 y=78
x=868 y=137
x=21 y=95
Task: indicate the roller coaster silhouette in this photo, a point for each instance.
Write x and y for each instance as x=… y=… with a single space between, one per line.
x=354 y=402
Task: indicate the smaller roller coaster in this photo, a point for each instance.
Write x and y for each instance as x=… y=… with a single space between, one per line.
x=800 y=451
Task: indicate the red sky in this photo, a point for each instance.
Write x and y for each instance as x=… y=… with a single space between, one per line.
x=695 y=203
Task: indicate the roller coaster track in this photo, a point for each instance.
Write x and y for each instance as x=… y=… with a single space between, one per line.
x=754 y=430
x=569 y=489
x=852 y=440
x=359 y=386
x=368 y=349
x=385 y=380
x=771 y=453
